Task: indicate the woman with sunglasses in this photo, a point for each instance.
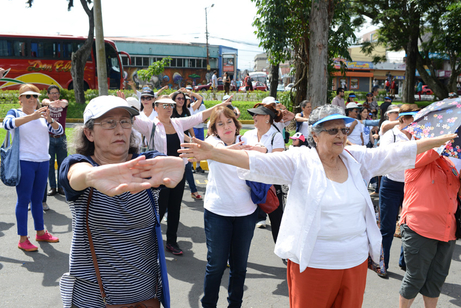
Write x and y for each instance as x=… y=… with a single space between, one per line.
x=355 y=135
x=392 y=186
x=34 y=125
x=166 y=133
x=181 y=110
x=329 y=226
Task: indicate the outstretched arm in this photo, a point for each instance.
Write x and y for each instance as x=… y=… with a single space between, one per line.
x=200 y=150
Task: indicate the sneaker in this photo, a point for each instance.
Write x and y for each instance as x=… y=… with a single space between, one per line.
x=52 y=192
x=46 y=238
x=174 y=249
x=27 y=246
x=261 y=224
x=45 y=206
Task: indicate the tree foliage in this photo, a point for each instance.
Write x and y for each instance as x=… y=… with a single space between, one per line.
x=156 y=68
x=285 y=34
x=428 y=31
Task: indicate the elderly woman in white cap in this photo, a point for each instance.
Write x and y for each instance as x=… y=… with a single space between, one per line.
x=34 y=126
x=327 y=258
x=117 y=254
x=165 y=134
x=355 y=135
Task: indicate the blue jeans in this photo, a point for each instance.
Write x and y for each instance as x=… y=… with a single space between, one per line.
x=390 y=199
x=190 y=178
x=227 y=238
x=58 y=150
x=30 y=190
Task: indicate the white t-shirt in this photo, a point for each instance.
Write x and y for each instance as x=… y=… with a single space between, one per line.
x=226 y=194
x=305 y=130
x=199 y=109
x=392 y=136
x=342 y=241
x=251 y=138
x=354 y=137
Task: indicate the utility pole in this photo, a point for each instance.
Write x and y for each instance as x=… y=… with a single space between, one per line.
x=100 y=49
x=206 y=34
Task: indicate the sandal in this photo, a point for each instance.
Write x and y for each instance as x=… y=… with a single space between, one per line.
x=196 y=196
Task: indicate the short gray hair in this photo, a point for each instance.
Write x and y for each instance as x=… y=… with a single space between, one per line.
x=318 y=114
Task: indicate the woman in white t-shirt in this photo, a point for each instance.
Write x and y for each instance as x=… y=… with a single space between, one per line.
x=267 y=139
x=230 y=215
x=355 y=135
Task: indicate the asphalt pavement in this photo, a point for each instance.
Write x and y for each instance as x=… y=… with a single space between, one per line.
x=31 y=279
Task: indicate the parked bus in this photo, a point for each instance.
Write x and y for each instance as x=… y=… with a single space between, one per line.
x=259 y=76
x=46 y=60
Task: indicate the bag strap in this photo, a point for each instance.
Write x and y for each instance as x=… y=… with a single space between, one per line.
x=151 y=145
x=93 y=253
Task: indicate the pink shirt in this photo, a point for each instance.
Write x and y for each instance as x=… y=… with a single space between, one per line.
x=430 y=197
x=144 y=126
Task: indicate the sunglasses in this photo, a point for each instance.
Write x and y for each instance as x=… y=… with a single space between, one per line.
x=335 y=131
x=147 y=98
x=179 y=98
x=165 y=106
x=29 y=96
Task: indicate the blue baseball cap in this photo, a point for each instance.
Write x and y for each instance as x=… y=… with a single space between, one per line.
x=352 y=95
x=387 y=97
x=335 y=116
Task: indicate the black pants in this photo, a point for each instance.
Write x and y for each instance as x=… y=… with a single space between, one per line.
x=276 y=216
x=171 y=198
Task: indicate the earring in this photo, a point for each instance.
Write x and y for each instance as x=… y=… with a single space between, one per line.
x=267 y=121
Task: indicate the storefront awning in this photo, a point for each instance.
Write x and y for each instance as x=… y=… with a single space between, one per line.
x=353 y=74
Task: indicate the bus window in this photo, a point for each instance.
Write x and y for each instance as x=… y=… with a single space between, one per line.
x=45 y=49
x=113 y=67
x=6 y=48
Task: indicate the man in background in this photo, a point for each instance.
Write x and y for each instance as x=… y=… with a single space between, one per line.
x=338 y=100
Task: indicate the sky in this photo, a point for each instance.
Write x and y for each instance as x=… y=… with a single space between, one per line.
x=170 y=20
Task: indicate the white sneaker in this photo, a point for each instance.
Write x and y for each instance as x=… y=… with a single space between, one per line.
x=261 y=224
x=45 y=206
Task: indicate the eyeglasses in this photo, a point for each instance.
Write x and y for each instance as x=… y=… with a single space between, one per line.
x=111 y=124
x=29 y=96
x=335 y=131
x=148 y=98
x=179 y=98
x=165 y=106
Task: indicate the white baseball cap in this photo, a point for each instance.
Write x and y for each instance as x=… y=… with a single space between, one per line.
x=100 y=105
x=268 y=100
x=133 y=102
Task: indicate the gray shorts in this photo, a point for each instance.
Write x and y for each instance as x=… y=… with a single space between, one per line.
x=428 y=263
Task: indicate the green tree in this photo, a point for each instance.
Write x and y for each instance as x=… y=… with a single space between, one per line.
x=301 y=30
x=79 y=58
x=427 y=30
x=156 y=68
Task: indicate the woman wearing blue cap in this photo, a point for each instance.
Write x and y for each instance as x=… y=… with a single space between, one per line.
x=327 y=259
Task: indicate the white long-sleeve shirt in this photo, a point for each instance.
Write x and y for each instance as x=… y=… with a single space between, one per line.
x=302 y=169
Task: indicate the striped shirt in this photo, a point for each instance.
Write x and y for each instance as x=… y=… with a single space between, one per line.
x=124 y=240
x=33 y=136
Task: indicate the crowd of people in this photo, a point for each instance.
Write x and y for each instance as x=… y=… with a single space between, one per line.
x=135 y=154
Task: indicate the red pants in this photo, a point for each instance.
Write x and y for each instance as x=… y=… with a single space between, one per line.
x=323 y=288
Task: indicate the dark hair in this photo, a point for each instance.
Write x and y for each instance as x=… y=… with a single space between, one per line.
x=214 y=72
x=85 y=147
x=271 y=107
x=304 y=103
x=184 y=107
x=360 y=113
x=339 y=90
x=228 y=114
x=53 y=87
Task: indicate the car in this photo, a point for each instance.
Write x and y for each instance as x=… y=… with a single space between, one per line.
x=426 y=90
x=289 y=86
x=280 y=88
x=257 y=86
x=206 y=87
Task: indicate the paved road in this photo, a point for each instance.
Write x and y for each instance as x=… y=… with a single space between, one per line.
x=31 y=279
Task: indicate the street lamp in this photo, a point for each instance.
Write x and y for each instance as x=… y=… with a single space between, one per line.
x=206 y=34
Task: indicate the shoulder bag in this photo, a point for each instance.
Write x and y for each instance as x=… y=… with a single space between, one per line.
x=10 y=165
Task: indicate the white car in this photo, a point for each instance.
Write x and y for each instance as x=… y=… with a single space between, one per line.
x=289 y=86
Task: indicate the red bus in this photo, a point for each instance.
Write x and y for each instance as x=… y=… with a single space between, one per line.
x=46 y=60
